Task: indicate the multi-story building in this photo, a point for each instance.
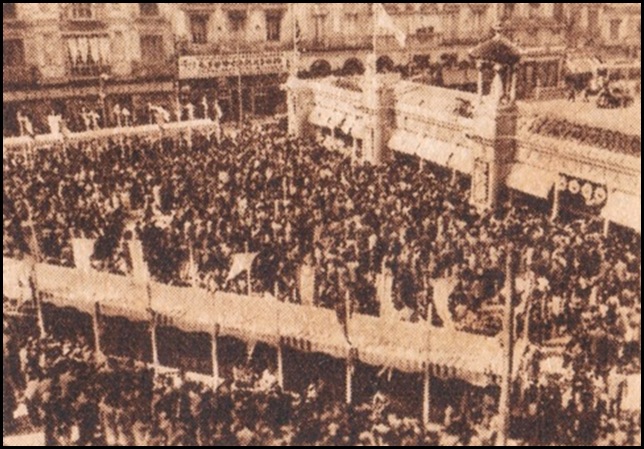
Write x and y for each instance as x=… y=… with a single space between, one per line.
x=611 y=30
x=135 y=54
x=62 y=57
x=238 y=52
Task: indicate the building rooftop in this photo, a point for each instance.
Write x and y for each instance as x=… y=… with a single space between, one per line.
x=624 y=120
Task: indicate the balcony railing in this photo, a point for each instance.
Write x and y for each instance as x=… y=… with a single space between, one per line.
x=385 y=43
x=88 y=71
x=231 y=47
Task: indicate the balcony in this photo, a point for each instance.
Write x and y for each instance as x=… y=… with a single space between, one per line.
x=20 y=76
x=232 y=47
x=88 y=71
x=253 y=6
x=385 y=43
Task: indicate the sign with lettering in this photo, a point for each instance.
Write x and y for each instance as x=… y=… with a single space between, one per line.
x=245 y=64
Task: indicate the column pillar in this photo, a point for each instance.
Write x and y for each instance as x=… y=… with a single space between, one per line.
x=426 y=394
x=554 y=215
x=514 y=74
x=505 y=401
x=214 y=356
x=350 y=368
x=479 y=83
x=153 y=336
x=280 y=365
x=497 y=90
x=97 y=328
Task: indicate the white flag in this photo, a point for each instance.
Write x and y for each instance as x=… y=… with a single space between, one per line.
x=83 y=250
x=139 y=267
x=384 y=293
x=241 y=262
x=443 y=289
x=385 y=22
x=307 y=284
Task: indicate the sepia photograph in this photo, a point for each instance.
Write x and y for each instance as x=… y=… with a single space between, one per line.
x=321 y=224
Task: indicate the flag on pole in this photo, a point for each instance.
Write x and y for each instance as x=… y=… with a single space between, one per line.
x=386 y=23
x=83 y=250
x=306 y=285
x=139 y=267
x=443 y=289
x=241 y=262
x=384 y=294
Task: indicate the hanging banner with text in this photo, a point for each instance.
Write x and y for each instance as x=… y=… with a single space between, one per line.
x=245 y=64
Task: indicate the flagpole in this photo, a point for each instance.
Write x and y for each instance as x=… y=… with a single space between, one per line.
x=294 y=62
x=35 y=247
x=239 y=85
x=375 y=40
x=505 y=400
x=248 y=274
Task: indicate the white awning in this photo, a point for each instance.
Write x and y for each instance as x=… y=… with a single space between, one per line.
x=624 y=209
x=531 y=180
x=402 y=141
x=435 y=151
x=462 y=160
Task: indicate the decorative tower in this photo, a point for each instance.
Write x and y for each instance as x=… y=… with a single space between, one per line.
x=300 y=103
x=379 y=102
x=496 y=118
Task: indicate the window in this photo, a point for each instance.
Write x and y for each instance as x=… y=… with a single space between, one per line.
x=199 y=29
x=89 y=55
x=509 y=9
x=237 y=21
x=13 y=53
x=478 y=18
x=535 y=9
x=152 y=50
x=320 y=25
x=82 y=10
x=149 y=9
x=615 y=28
x=8 y=10
x=351 y=27
x=593 y=20
x=558 y=12
x=273 y=27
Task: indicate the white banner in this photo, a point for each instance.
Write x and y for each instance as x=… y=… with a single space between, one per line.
x=83 y=251
x=195 y=67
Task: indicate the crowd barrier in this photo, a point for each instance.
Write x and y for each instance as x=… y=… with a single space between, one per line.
x=404 y=346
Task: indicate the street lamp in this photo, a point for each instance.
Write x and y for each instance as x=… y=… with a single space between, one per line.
x=102 y=95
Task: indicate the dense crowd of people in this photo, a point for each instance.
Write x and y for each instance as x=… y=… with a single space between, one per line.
x=76 y=396
x=194 y=204
x=588 y=135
